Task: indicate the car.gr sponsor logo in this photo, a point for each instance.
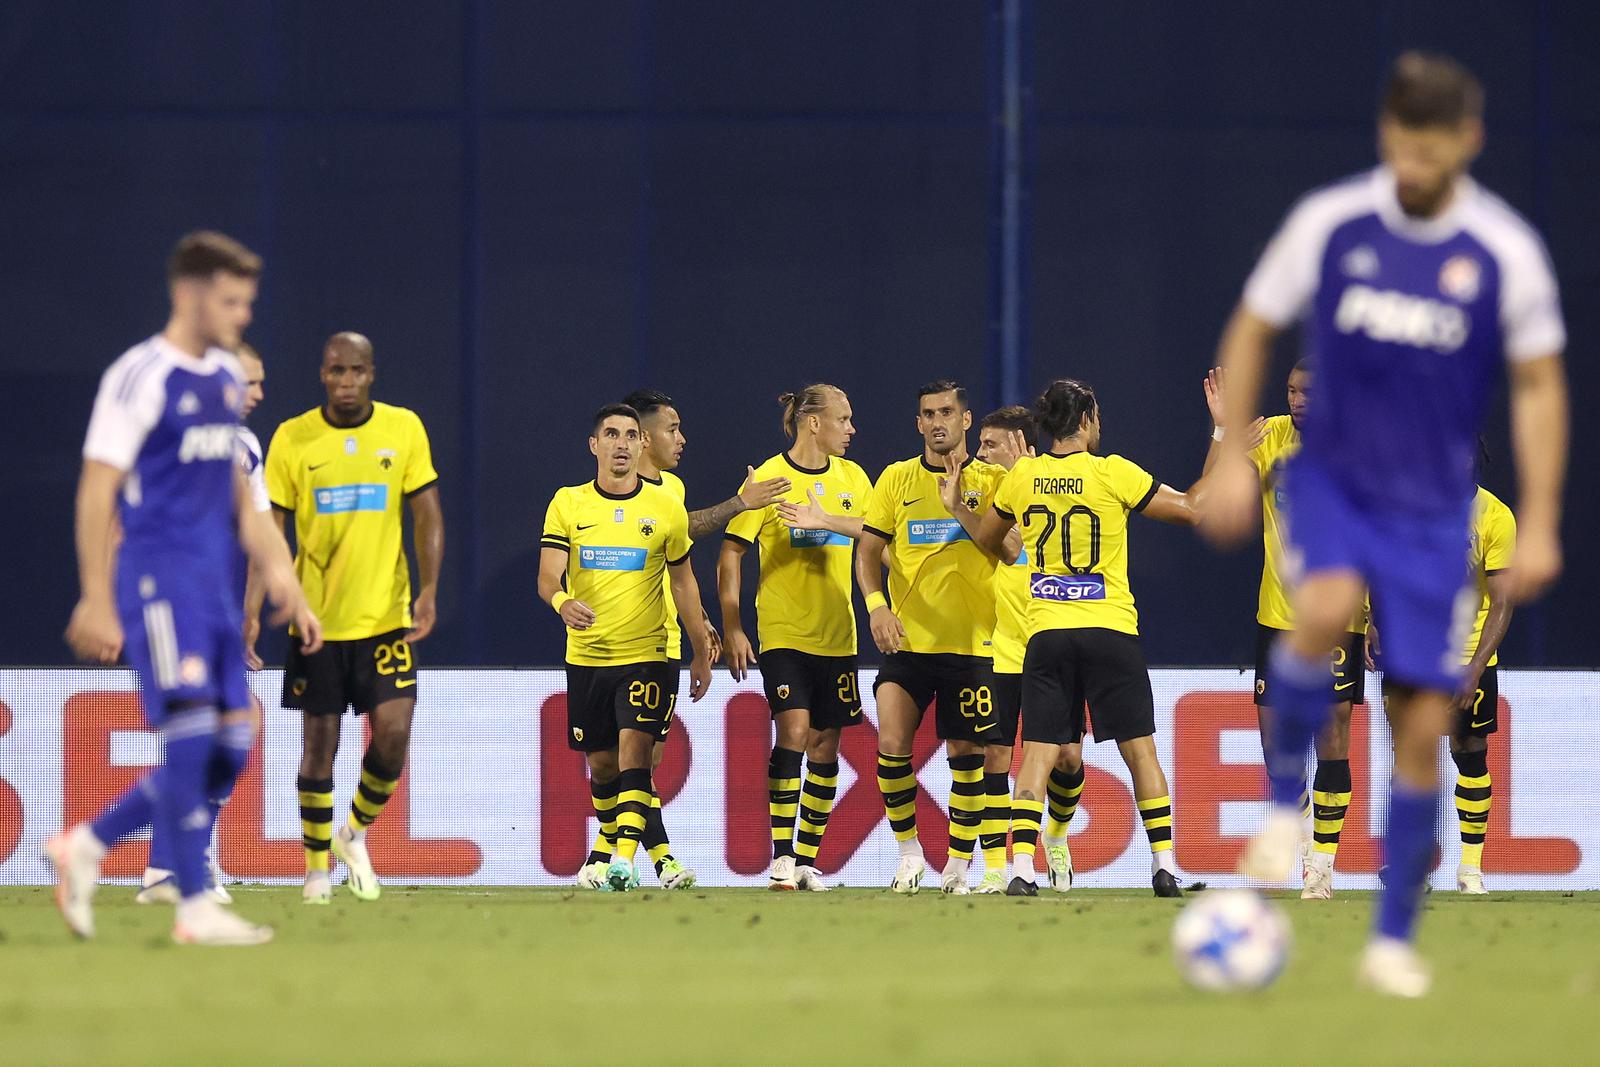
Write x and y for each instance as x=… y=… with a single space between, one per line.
x=1400 y=318
x=935 y=532
x=335 y=499
x=212 y=441
x=1068 y=587
x=608 y=558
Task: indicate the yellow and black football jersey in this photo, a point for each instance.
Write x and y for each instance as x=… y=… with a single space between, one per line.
x=1493 y=539
x=941 y=584
x=618 y=549
x=1073 y=514
x=345 y=486
x=1270 y=457
x=803 y=596
x=674 y=485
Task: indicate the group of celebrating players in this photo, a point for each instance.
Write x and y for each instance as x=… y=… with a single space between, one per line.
x=1007 y=604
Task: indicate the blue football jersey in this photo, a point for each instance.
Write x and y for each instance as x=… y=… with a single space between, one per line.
x=171 y=421
x=1407 y=322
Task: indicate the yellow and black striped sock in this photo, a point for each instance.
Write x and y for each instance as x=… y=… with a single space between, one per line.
x=634 y=796
x=316 y=820
x=378 y=783
x=967 y=803
x=604 y=797
x=898 y=784
x=1026 y=816
x=1330 y=802
x=1157 y=815
x=1474 y=795
x=783 y=798
x=1065 y=789
x=816 y=804
x=996 y=820
x=654 y=838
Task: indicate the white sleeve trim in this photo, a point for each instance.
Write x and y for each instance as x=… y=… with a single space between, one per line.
x=1286 y=277
x=1530 y=300
x=133 y=392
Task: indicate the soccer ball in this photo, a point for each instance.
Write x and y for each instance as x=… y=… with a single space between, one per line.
x=1231 y=939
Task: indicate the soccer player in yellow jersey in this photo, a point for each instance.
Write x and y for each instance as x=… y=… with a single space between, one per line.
x=807 y=623
x=1003 y=437
x=1072 y=507
x=662 y=451
x=934 y=629
x=605 y=547
x=344 y=471
x=1491 y=542
x=1477 y=705
x=1273 y=442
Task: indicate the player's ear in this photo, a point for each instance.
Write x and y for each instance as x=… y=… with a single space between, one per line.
x=594 y=445
x=966 y=419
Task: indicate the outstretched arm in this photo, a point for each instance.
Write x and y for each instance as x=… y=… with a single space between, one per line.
x=1232 y=489
x=751 y=496
x=811 y=516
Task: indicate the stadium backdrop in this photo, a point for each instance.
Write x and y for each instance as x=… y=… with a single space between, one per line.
x=493 y=796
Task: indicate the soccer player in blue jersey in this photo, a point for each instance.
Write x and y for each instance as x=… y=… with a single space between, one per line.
x=1415 y=285
x=163 y=438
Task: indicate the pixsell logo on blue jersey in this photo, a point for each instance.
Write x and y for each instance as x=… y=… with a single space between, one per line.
x=603 y=558
x=936 y=531
x=335 y=499
x=816 y=539
x=1067 y=588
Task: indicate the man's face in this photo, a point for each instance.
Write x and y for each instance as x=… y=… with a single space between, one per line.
x=1427 y=160
x=994 y=446
x=1299 y=397
x=617 y=443
x=834 y=426
x=221 y=306
x=347 y=376
x=663 y=438
x=255 y=377
x=943 y=422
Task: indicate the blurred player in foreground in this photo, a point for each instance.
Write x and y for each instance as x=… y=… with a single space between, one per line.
x=1416 y=285
x=164 y=438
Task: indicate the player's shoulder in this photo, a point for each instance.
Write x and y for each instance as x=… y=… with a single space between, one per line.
x=1280 y=434
x=849 y=468
x=1327 y=207
x=1490 y=507
x=143 y=366
x=673 y=484
x=395 y=415
x=659 y=493
x=308 y=423
x=775 y=466
x=249 y=442
x=898 y=471
x=1507 y=234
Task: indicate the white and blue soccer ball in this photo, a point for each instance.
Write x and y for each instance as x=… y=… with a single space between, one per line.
x=1227 y=940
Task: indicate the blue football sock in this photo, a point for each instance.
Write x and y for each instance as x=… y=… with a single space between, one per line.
x=1408 y=851
x=1299 y=706
x=228 y=758
x=129 y=813
x=181 y=812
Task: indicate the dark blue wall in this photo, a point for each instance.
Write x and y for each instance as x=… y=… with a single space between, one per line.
x=533 y=208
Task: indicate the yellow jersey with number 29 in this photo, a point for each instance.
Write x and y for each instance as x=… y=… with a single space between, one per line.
x=1073 y=514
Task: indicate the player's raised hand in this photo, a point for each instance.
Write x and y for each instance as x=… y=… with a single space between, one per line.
x=1228 y=501
x=95 y=632
x=1535 y=562
x=756 y=494
x=424 y=616
x=1019 y=444
x=577 y=615
x=1258 y=433
x=950 y=484
x=807 y=516
x=1215 y=402
x=887 y=631
x=741 y=655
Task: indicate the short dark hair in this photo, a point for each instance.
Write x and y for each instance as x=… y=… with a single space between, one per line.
x=247 y=349
x=203 y=253
x=1014 y=418
x=944 y=385
x=1302 y=365
x=647 y=401
x=613 y=409
x=1430 y=89
x=1062 y=406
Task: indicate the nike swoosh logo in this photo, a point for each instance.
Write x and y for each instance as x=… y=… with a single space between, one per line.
x=401 y=683
x=318 y=466
x=985 y=726
x=854 y=712
x=908 y=503
x=1480 y=725
x=641 y=718
x=1337 y=688
x=588 y=527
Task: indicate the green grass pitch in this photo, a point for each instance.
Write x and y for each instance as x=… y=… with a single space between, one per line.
x=744 y=976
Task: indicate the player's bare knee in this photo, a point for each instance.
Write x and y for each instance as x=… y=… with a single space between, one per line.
x=657 y=754
x=603 y=766
x=822 y=746
x=1070 y=759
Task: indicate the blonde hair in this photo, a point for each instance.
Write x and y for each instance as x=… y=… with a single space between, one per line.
x=811 y=400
